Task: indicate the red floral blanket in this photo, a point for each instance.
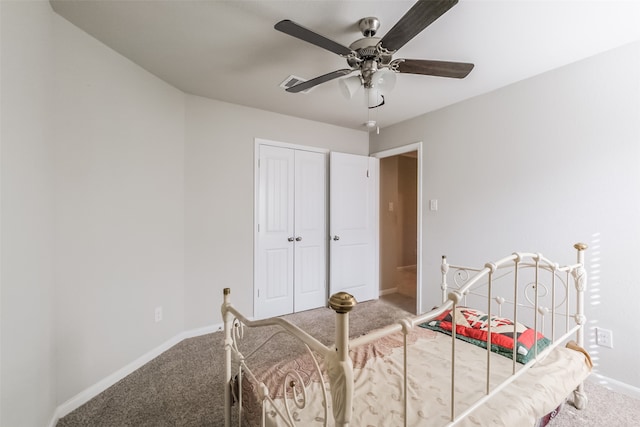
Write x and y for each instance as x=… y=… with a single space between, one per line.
x=473 y=326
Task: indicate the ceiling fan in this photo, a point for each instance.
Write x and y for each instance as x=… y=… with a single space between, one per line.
x=372 y=54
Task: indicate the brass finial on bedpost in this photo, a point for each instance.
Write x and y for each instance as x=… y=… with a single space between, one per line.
x=581 y=246
x=342 y=302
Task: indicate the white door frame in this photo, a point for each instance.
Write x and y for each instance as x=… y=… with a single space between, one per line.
x=416 y=146
x=256 y=184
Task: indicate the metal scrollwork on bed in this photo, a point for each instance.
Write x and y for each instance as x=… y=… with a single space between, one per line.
x=536 y=289
x=294 y=390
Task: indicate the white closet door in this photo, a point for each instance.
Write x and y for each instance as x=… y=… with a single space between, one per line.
x=310 y=255
x=275 y=233
x=353 y=214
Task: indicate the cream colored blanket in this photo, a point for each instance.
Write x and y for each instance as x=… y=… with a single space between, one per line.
x=378 y=375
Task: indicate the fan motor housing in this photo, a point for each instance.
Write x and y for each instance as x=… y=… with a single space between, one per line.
x=366 y=49
x=369 y=26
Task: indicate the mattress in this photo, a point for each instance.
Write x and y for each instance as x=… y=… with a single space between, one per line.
x=378 y=385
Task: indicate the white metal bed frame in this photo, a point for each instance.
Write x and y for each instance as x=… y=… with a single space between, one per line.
x=339 y=367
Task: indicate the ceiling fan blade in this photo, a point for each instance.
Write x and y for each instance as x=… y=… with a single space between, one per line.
x=302 y=33
x=421 y=15
x=458 y=70
x=319 y=80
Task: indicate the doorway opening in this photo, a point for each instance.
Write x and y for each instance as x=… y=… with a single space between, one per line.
x=399 y=244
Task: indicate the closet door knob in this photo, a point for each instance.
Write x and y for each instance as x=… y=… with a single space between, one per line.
x=298 y=239
x=290 y=239
x=336 y=237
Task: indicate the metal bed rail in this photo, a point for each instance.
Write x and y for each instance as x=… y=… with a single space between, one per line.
x=339 y=366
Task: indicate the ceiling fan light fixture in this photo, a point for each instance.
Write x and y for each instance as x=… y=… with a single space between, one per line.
x=384 y=80
x=372 y=56
x=374 y=98
x=350 y=86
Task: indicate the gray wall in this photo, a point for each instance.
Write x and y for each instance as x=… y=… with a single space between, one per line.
x=27 y=285
x=119 y=194
x=118 y=138
x=538 y=166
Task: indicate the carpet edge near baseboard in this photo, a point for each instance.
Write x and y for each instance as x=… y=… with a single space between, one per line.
x=614 y=385
x=92 y=391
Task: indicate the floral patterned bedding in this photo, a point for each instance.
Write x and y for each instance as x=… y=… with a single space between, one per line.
x=473 y=326
x=378 y=377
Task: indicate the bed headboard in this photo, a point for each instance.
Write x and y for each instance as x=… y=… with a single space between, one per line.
x=524 y=286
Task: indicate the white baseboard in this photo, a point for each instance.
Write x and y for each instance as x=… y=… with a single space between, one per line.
x=202 y=331
x=615 y=385
x=388 y=291
x=89 y=393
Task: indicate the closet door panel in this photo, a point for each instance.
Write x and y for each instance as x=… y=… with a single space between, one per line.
x=310 y=259
x=354 y=225
x=275 y=232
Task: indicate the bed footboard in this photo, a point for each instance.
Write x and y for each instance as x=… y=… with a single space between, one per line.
x=546 y=296
x=336 y=362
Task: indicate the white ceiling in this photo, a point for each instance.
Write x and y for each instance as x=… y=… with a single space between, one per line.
x=229 y=50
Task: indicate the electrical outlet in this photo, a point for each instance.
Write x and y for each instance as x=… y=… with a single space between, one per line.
x=604 y=337
x=158 y=313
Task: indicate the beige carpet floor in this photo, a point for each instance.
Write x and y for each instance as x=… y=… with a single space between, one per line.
x=183 y=386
